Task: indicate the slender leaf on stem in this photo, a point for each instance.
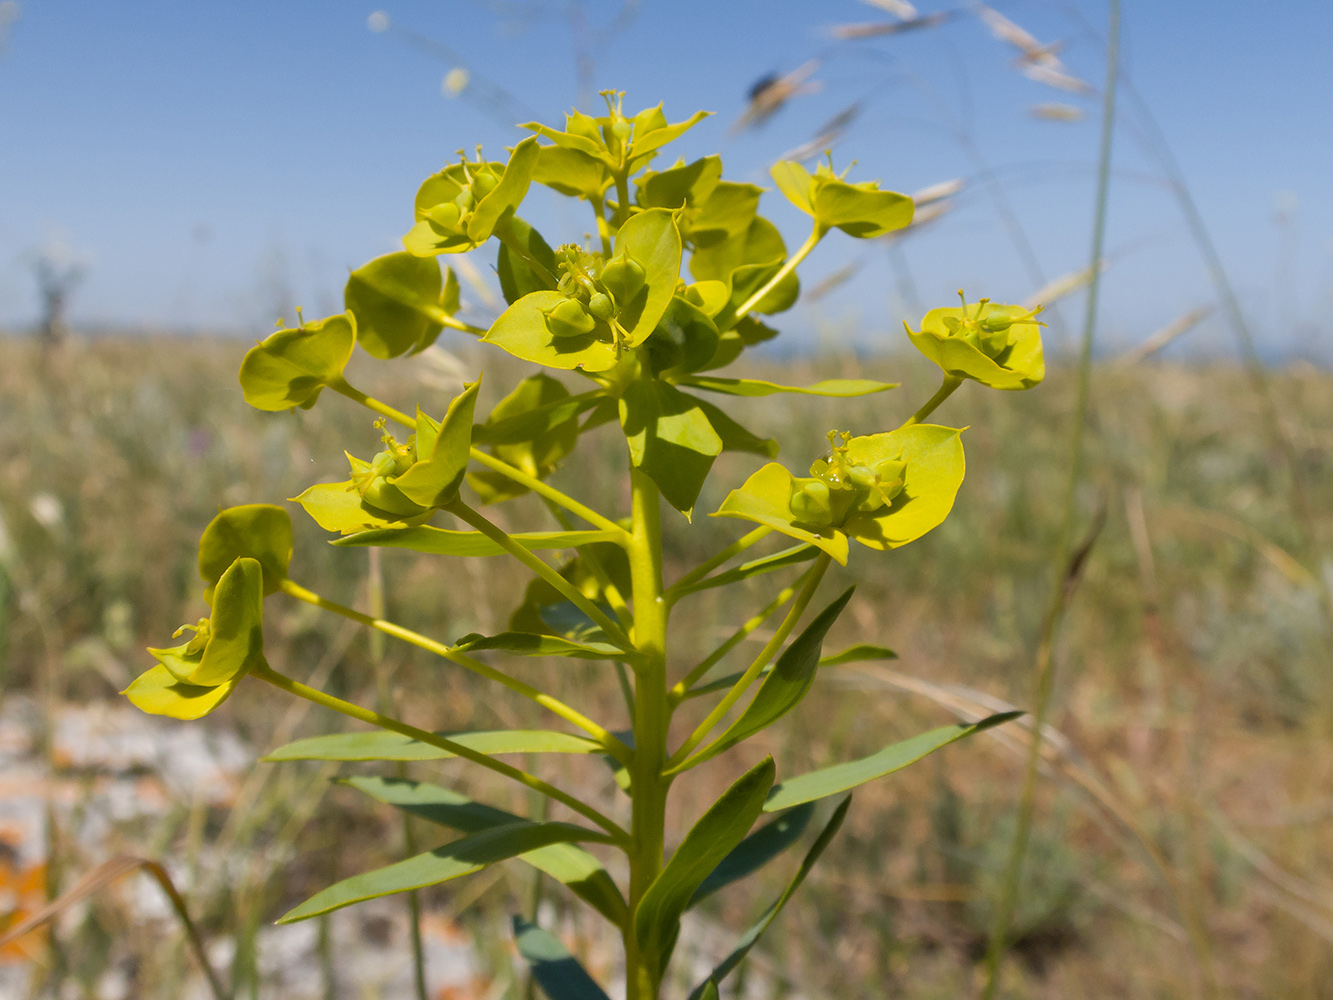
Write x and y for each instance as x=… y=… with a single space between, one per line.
x=441 y=541
x=557 y=971
x=784 y=687
x=534 y=644
x=842 y=777
x=709 y=841
x=453 y=860
x=568 y=864
x=748 y=939
x=858 y=654
x=840 y=387
x=765 y=564
x=379 y=744
x=757 y=850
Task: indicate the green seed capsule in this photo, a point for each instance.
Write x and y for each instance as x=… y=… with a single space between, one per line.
x=861 y=476
x=465 y=201
x=623 y=278
x=600 y=306
x=996 y=323
x=483 y=184
x=569 y=319
x=622 y=129
x=812 y=503
x=382 y=465
x=446 y=216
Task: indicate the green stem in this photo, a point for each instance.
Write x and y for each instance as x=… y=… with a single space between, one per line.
x=342 y=386
x=708 y=565
x=616 y=834
x=1045 y=660
x=444 y=319
x=682 y=689
x=652 y=716
x=622 y=198
x=550 y=493
x=598 y=204
x=678 y=760
x=571 y=715
x=544 y=570
x=951 y=382
x=609 y=590
x=816 y=235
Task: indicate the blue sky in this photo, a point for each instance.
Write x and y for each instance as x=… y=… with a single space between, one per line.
x=212 y=163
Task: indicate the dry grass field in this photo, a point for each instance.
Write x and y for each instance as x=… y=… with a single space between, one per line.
x=1189 y=780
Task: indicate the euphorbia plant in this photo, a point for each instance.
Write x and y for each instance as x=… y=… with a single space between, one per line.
x=646 y=338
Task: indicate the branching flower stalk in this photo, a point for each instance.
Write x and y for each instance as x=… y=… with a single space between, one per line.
x=670 y=288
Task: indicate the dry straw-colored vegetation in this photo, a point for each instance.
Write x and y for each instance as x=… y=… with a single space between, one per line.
x=1187 y=785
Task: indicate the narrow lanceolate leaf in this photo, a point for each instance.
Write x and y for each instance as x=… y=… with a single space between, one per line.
x=841 y=777
x=380 y=744
x=858 y=654
x=756 y=567
x=568 y=864
x=842 y=387
x=536 y=644
x=711 y=839
x=709 y=986
x=757 y=850
x=557 y=971
x=784 y=687
x=441 y=541
x=454 y=860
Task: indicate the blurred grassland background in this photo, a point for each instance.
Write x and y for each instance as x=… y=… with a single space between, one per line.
x=1194 y=705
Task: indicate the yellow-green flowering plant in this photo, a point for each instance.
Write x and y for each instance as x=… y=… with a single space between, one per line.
x=669 y=289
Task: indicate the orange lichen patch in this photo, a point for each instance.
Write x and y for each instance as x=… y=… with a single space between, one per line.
x=22 y=891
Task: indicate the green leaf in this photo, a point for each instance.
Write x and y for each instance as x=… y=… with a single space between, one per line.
x=441 y=541
x=842 y=777
x=839 y=387
x=755 y=567
x=517 y=279
x=794 y=181
x=711 y=839
x=653 y=242
x=572 y=172
x=557 y=971
x=454 y=860
x=685 y=340
x=756 y=850
x=260 y=531
x=784 y=687
x=670 y=438
x=568 y=864
x=861 y=210
x=858 y=654
x=235 y=636
x=709 y=986
x=519 y=424
x=291 y=367
x=766 y=499
x=734 y=436
x=505 y=196
x=568 y=140
x=935 y=468
x=158 y=692
x=1018 y=364
x=397 y=302
x=522 y=331
x=659 y=137
x=726 y=213
x=380 y=744
x=684 y=183
x=434 y=482
x=533 y=644
x=339 y=507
